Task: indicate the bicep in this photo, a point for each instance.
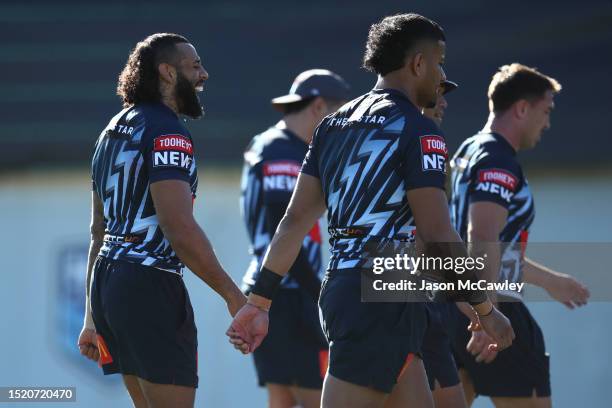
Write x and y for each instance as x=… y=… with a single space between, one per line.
x=307 y=202
x=173 y=203
x=98 y=224
x=486 y=220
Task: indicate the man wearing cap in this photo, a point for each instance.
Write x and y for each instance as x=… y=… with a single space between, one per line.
x=436 y=112
x=438 y=359
x=292 y=361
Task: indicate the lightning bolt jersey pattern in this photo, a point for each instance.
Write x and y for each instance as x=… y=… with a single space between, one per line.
x=485 y=169
x=141 y=145
x=272 y=162
x=368 y=155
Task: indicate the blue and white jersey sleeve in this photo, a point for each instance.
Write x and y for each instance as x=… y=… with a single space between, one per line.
x=310 y=165
x=495 y=179
x=168 y=154
x=425 y=157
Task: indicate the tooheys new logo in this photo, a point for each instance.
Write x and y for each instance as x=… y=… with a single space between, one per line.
x=172 y=151
x=434 y=153
x=280 y=175
x=497 y=181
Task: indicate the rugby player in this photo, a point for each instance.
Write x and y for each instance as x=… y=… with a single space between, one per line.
x=293 y=375
x=367 y=167
x=491 y=203
x=139 y=321
x=438 y=358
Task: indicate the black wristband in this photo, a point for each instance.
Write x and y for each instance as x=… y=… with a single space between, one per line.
x=476 y=297
x=267 y=283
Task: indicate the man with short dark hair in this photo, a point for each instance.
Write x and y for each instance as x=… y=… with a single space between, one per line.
x=292 y=360
x=492 y=209
x=138 y=320
x=367 y=167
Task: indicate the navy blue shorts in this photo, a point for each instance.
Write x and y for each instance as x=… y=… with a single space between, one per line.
x=369 y=343
x=145 y=323
x=517 y=371
x=437 y=351
x=295 y=350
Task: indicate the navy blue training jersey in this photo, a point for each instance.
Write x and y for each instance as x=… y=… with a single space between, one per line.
x=485 y=169
x=367 y=156
x=272 y=162
x=140 y=145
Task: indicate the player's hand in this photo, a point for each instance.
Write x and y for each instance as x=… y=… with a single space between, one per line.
x=88 y=344
x=480 y=346
x=568 y=291
x=498 y=327
x=248 y=329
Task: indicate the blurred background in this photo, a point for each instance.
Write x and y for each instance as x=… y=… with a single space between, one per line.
x=60 y=62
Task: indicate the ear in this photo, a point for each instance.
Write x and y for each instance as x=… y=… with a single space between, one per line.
x=167 y=72
x=521 y=107
x=318 y=105
x=418 y=64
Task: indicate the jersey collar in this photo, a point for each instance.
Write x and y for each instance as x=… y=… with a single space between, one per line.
x=502 y=140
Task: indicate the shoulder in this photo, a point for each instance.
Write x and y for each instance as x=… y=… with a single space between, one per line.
x=161 y=126
x=271 y=144
x=495 y=163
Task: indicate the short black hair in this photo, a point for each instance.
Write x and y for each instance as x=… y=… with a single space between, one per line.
x=139 y=80
x=390 y=40
x=514 y=82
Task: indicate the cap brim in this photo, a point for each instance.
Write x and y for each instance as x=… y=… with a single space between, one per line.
x=449 y=86
x=285 y=99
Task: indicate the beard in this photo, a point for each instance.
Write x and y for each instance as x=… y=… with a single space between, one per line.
x=187 y=98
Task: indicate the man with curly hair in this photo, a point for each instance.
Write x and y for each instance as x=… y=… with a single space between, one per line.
x=377 y=167
x=139 y=321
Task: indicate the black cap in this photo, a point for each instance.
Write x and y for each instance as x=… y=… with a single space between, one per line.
x=313 y=83
x=449 y=86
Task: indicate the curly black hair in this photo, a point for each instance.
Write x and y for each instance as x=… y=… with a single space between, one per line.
x=139 y=80
x=390 y=40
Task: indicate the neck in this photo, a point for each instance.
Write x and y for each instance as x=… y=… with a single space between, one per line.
x=299 y=125
x=395 y=80
x=502 y=125
x=168 y=98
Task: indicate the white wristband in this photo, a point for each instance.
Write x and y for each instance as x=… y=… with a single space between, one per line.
x=88 y=322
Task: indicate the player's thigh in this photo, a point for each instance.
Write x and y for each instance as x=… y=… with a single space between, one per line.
x=449 y=397
x=167 y=395
x=468 y=387
x=412 y=388
x=307 y=397
x=533 y=402
x=340 y=394
x=280 y=396
x=133 y=388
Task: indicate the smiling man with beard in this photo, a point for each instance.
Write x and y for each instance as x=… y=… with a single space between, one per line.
x=139 y=321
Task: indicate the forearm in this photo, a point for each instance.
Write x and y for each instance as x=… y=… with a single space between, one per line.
x=300 y=270
x=451 y=245
x=285 y=245
x=194 y=249
x=537 y=274
x=491 y=252
x=94 y=248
